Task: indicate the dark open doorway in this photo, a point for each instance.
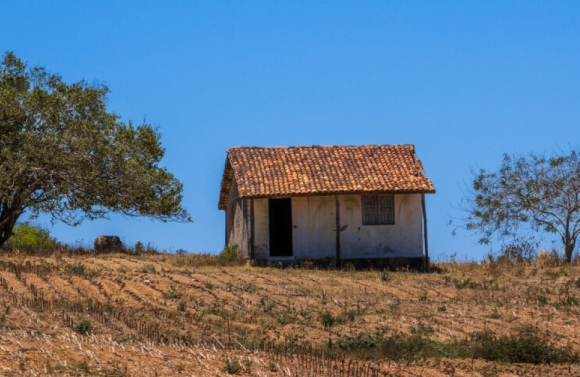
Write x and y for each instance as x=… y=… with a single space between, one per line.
x=280 y=212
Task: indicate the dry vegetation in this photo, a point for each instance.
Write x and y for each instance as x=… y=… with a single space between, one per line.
x=147 y=315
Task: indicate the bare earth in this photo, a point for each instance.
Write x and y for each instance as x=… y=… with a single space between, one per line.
x=164 y=315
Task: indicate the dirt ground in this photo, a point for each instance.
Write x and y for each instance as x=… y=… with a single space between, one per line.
x=164 y=315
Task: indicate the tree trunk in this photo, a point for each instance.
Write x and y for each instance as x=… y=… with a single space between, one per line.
x=6 y=232
x=569 y=249
x=8 y=220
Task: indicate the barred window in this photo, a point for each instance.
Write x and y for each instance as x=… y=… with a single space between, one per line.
x=378 y=209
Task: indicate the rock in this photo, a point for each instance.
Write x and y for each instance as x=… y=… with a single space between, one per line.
x=110 y=244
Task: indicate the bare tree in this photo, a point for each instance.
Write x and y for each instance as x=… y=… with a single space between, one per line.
x=541 y=191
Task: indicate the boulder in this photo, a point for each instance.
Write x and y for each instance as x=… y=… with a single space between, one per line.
x=110 y=244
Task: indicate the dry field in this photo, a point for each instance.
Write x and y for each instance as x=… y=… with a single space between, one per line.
x=164 y=315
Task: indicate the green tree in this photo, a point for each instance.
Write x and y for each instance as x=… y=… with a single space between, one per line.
x=62 y=153
x=541 y=191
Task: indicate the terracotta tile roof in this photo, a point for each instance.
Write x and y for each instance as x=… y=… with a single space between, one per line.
x=292 y=171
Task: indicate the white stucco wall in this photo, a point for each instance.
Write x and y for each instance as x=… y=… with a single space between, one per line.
x=314 y=224
x=261 y=229
x=236 y=227
x=402 y=239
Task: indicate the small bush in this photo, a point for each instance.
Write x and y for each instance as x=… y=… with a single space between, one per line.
x=77 y=269
x=232 y=366
x=172 y=294
x=494 y=315
x=148 y=268
x=249 y=287
x=526 y=346
x=30 y=238
x=519 y=251
x=407 y=347
x=385 y=275
x=82 y=365
x=349 y=267
x=566 y=298
x=139 y=247
x=307 y=265
x=84 y=327
x=362 y=341
x=229 y=256
x=328 y=319
x=209 y=285
x=248 y=365
x=467 y=283
x=267 y=305
x=272 y=366
x=422 y=329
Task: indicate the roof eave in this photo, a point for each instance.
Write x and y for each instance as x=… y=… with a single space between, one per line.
x=291 y=195
x=226 y=184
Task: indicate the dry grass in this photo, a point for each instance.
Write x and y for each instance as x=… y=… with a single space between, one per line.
x=168 y=314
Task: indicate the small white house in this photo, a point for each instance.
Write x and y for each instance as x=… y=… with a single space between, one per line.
x=333 y=204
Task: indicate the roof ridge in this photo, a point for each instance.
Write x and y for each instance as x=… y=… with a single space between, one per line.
x=322 y=146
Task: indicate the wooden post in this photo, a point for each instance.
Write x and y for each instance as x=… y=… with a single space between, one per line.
x=226 y=229
x=425 y=238
x=338 y=257
x=252 y=231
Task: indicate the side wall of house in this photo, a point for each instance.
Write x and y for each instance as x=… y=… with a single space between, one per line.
x=402 y=239
x=314 y=223
x=237 y=229
x=261 y=229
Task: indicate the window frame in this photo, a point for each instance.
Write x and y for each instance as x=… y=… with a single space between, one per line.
x=378 y=209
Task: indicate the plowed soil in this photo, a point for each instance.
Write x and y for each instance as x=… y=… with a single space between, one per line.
x=164 y=315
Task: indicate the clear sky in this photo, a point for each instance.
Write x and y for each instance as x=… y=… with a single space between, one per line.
x=465 y=81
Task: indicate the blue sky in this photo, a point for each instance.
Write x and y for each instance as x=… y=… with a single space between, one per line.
x=465 y=81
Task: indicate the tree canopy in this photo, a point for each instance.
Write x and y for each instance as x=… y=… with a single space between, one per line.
x=538 y=190
x=64 y=154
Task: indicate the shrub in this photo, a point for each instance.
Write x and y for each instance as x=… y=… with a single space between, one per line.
x=467 y=283
x=328 y=319
x=77 y=269
x=232 y=366
x=307 y=264
x=209 y=285
x=172 y=294
x=27 y=237
x=84 y=327
x=385 y=275
x=422 y=329
x=494 y=315
x=526 y=346
x=519 y=251
x=362 y=341
x=407 y=347
x=139 y=247
x=229 y=256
